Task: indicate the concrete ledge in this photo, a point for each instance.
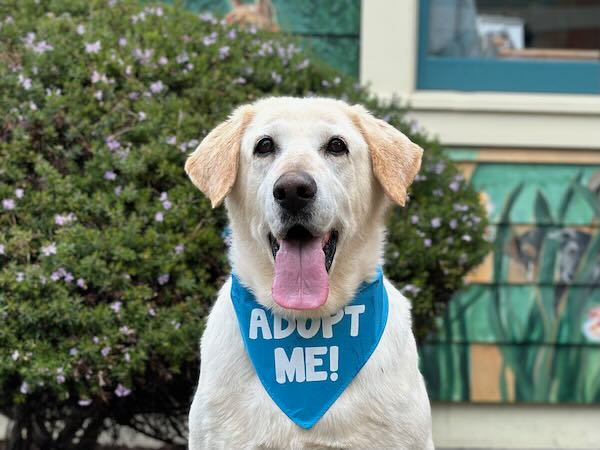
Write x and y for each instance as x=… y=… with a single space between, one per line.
x=515 y=426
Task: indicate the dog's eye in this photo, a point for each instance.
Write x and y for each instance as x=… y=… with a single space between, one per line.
x=337 y=147
x=264 y=147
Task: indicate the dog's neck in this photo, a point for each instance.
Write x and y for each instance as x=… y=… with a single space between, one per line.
x=356 y=261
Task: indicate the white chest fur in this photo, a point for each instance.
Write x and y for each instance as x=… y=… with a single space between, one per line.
x=385 y=406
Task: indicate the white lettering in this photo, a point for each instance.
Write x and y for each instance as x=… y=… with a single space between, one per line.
x=354 y=311
x=305 y=332
x=312 y=362
x=291 y=369
x=329 y=322
x=278 y=331
x=258 y=319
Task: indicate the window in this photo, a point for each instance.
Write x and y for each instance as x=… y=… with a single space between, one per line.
x=510 y=45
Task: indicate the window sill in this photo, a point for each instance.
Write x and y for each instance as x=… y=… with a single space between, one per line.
x=507 y=120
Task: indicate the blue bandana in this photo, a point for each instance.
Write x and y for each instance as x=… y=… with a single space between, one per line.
x=304 y=364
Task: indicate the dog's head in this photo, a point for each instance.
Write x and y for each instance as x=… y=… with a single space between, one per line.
x=306 y=184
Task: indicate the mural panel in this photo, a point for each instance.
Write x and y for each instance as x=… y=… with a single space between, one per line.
x=527 y=327
x=329 y=30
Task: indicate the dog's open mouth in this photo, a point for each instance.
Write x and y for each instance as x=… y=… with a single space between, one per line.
x=302 y=263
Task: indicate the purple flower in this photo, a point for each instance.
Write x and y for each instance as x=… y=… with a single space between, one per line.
x=164 y=279
x=126 y=330
x=112 y=143
x=118 y=190
x=19 y=193
x=110 y=175
x=65 y=219
x=182 y=57
x=179 y=249
x=55 y=276
x=304 y=64
x=454 y=185
x=193 y=143
x=163 y=61
x=73 y=352
x=49 y=249
x=276 y=77
x=232 y=34
x=69 y=277
x=42 y=47
x=8 y=204
x=224 y=51
x=93 y=47
x=414 y=219
x=172 y=140
x=159 y=217
x=81 y=283
x=411 y=289
x=436 y=222
x=122 y=41
x=167 y=204
x=239 y=80
x=210 y=39
x=157 y=87
x=133 y=95
x=97 y=77
x=60 y=378
x=80 y=29
x=207 y=17
x=24 y=389
x=122 y=391
x=163 y=196
x=143 y=56
x=466 y=238
x=427 y=242
x=105 y=351
x=116 y=306
x=85 y=402
x=29 y=38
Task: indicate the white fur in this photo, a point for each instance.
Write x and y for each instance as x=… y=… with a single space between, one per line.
x=386 y=405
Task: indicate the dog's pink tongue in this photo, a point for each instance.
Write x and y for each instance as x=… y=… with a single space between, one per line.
x=301 y=281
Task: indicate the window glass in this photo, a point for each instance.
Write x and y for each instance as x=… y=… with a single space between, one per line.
x=515 y=29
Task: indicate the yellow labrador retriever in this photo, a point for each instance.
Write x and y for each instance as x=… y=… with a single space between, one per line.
x=307 y=183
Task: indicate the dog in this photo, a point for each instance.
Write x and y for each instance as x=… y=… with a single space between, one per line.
x=307 y=183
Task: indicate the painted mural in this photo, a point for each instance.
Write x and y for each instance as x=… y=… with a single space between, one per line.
x=527 y=327
x=328 y=29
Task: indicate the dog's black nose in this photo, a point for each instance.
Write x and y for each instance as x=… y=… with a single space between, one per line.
x=294 y=191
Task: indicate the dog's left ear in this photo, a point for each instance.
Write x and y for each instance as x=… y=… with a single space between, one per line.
x=396 y=159
x=213 y=166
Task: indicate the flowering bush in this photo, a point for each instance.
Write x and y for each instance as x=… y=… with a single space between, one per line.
x=109 y=257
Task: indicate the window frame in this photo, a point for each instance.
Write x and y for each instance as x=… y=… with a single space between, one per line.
x=484 y=74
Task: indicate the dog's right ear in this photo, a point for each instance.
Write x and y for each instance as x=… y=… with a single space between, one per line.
x=396 y=160
x=213 y=166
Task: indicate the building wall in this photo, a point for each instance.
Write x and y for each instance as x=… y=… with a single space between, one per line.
x=330 y=30
x=516 y=363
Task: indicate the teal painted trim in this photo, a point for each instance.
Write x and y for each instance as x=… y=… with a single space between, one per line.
x=461 y=155
x=477 y=74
